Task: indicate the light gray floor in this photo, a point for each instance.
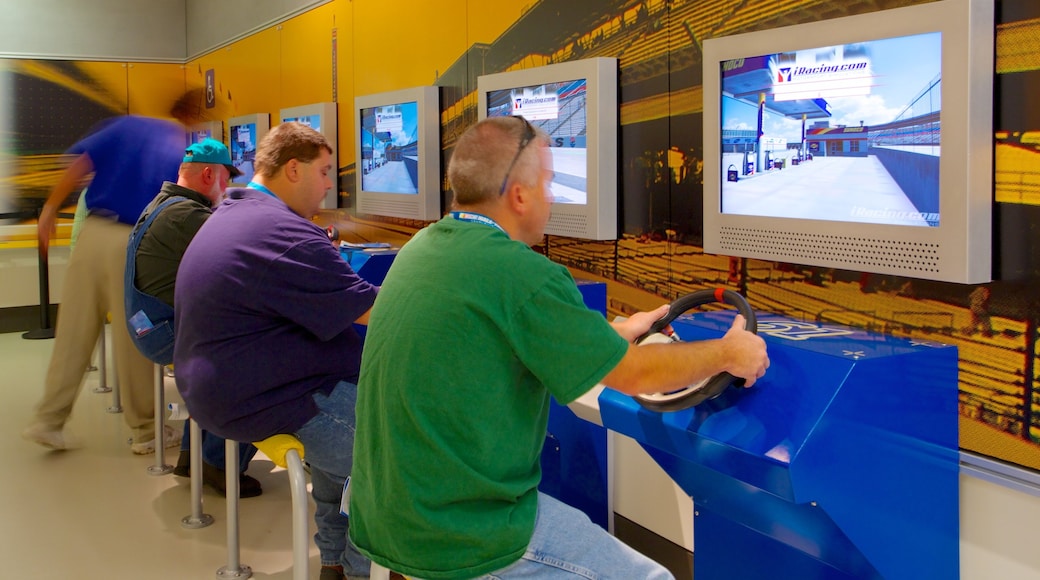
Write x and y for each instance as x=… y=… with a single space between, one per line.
x=96 y=513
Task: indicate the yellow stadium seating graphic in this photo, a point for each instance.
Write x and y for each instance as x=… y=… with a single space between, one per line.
x=1018 y=46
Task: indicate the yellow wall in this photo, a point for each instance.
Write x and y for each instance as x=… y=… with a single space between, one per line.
x=377 y=50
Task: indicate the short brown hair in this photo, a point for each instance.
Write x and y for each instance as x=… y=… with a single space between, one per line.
x=288 y=141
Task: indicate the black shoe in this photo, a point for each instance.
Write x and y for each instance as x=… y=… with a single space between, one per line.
x=331 y=573
x=213 y=477
x=183 y=468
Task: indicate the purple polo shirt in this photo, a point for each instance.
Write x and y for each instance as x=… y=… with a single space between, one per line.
x=264 y=309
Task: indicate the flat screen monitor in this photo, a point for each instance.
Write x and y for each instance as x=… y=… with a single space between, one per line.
x=576 y=104
x=207 y=130
x=244 y=133
x=397 y=140
x=862 y=143
x=322 y=118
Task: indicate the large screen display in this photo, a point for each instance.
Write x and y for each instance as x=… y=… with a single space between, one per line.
x=576 y=104
x=861 y=143
x=557 y=108
x=390 y=148
x=244 y=133
x=398 y=153
x=243 y=149
x=860 y=122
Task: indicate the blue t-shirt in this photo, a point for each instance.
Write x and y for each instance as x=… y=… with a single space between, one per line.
x=132 y=157
x=264 y=309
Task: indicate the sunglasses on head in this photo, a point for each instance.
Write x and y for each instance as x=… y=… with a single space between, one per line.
x=524 y=141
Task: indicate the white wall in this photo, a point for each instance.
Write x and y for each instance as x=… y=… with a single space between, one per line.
x=137 y=30
x=998 y=527
x=134 y=30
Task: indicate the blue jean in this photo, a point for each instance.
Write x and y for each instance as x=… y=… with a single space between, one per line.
x=213 y=451
x=566 y=544
x=328 y=444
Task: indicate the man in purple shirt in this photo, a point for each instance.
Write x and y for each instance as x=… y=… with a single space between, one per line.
x=264 y=310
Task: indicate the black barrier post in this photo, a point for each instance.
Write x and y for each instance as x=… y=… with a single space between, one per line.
x=46 y=330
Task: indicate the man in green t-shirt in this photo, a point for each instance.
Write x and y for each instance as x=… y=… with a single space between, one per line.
x=471 y=334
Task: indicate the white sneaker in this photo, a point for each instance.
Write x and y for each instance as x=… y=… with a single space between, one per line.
x=170 y=439
x=47 y=436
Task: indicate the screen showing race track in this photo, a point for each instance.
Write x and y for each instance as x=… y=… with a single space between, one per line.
x=559 y=109
x=390 y=148
x=243 y=150
x=841 y=133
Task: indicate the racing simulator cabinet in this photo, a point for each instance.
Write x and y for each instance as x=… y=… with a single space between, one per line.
x=370 y=261
x=841 y=462
x=574 y=455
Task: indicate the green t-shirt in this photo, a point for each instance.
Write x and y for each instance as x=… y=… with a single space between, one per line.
x=469 y=336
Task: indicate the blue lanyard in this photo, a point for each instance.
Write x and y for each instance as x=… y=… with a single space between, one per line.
x=258 y=187
x=464 y=216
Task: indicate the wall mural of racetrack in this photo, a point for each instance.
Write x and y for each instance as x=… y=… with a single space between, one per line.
x=658 y=255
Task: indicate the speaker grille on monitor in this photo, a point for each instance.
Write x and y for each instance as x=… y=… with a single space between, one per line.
x=564 y=224
x=388 y=208
x=842 y=251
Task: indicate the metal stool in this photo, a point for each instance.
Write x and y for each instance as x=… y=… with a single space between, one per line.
x=196 y=519
x=285 y=451
x=102 y=367
x=160 y=467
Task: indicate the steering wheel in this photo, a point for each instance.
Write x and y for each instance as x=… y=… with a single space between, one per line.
x=711 y=387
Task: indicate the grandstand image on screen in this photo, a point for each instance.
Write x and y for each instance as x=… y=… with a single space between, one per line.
x=559 y=110
x=389 y=148
x=839 y=133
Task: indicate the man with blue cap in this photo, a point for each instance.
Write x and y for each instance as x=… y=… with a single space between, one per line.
x=158 y=242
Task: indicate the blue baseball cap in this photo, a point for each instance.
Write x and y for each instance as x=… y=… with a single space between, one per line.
x=210 y=151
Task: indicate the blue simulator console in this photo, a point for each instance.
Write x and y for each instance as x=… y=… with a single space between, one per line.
x=370 y=261
x=574 y=456
x=842 y=462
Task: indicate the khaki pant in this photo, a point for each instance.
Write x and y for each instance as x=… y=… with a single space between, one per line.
x=93 y=288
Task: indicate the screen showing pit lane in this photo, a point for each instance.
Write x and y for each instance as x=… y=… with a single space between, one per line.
x=390 y=148
x=839 y=133
x=243 y=150
x=559 y=109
